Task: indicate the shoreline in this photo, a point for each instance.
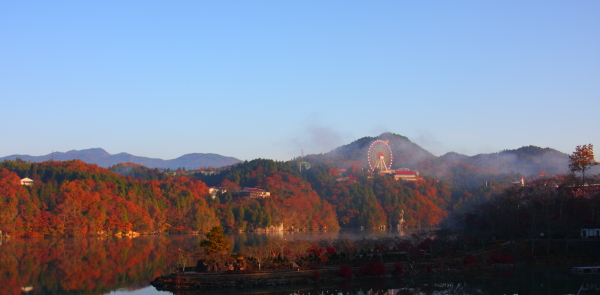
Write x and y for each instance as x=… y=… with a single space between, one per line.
x=423 y=270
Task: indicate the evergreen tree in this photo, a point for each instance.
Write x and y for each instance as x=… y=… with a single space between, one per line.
x=216 y=241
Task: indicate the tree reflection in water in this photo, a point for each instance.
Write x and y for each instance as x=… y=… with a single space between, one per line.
x=104 y=265
x=86 y=265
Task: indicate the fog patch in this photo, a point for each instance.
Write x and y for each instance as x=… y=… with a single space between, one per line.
x=429 y=142
x=123 y=170
x=323 y=138
x=317 y=138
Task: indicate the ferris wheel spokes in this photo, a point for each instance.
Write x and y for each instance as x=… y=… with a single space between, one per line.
x=380 y=156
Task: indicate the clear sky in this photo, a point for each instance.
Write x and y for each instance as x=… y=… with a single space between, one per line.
x=268 y=79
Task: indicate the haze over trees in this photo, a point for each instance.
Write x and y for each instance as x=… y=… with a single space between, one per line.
x=74 y=198
x=452 y=167
x=548 y=207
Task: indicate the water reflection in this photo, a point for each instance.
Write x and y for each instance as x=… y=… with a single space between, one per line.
x=122 y=266
x=533 y=282
x=239 y=240
x=101 y=265
x=83 y=265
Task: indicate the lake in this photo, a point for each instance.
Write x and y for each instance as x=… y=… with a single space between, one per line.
x=122 y=266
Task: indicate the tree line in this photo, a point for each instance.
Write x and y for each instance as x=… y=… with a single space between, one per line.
x=74 y=198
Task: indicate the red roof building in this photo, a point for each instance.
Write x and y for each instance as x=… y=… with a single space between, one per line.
x=254 y=193
x=406 y=175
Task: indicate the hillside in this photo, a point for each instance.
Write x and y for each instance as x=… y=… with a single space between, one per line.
x=102 y=158
x=457 y=168
x=310 y=198
x=525 y=160
x=76 y=198
x=406 y=153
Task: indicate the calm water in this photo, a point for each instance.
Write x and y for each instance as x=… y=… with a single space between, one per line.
x=126 y=266
x=252 y=239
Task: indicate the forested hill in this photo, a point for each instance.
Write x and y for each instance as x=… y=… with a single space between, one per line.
x=405 y=153
x=358 y=199
x=526 y=160
x=457 y=168
x=75 y=198
x=103 y=159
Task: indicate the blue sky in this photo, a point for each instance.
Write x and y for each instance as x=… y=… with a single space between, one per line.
x=268 y=79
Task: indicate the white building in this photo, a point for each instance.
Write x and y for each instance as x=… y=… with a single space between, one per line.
x=589 y=230
x=213 y=191
x=27 y=181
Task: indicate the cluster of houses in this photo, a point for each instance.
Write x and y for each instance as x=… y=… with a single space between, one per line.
x=587 y=230
x=403 y=174
x=247 y=192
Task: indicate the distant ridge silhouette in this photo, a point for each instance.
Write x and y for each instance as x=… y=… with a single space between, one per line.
x=103 y=159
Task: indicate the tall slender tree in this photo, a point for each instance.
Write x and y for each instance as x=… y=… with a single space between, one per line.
x=582 y=159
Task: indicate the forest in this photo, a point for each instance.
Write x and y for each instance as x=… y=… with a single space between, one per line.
x=73 y=198
x=545 y=209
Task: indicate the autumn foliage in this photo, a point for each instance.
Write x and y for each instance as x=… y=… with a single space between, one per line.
x=73 y=198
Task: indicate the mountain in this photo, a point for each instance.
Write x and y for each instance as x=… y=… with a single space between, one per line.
x=103 y=159
x=525 y=160
x=528 y=160
x=406 y=154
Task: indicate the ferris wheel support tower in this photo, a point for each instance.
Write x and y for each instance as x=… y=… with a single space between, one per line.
x=380 y=163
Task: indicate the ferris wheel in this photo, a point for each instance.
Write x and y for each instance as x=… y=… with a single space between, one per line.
x=380 y=156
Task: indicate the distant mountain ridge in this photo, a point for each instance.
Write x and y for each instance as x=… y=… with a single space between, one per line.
x=527 y=160
x=103 y=159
